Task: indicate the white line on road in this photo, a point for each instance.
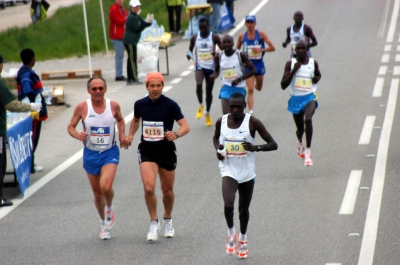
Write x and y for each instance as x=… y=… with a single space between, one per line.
x=385 y=58
x=47 y=178
x=393 y=21
x=378 y=87
x=350 y=196
x=396 y=70
x=382 y=70
x=366 y=132
x=374 y=206
x=185 y=73
x=176 y=80
x=166 y=88
x=388 y=48
x=397 y=58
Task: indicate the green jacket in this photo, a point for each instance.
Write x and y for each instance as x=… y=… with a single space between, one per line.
x=133 y=28
x=174 y=2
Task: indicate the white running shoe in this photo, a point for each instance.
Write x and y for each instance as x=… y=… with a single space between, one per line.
x=300 y=150
x=105 y=233
x=169 y=230
x=153 y=233
x=308 y=161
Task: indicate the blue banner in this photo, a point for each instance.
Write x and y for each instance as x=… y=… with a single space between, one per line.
x=20 y=146
x=227 y=18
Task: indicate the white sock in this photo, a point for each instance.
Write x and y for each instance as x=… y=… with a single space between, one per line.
x=109 y=208
x=242 y=237
x=231 y=231
x=250 y=111
x=102 y=222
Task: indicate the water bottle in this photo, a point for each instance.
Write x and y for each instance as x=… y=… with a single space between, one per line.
x=38 y=98
x=49 y=96
x=221 y=150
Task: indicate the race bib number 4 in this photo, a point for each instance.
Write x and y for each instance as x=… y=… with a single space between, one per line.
x=153 y=131
x=234 y=147
x=303 y=83
x=100 y=137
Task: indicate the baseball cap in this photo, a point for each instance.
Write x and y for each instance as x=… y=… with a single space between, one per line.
x=250 y=18
x=154 y=75
x=2 y=60
x=134 y=3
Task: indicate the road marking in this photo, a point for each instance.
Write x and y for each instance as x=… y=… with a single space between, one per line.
x=382 y=25
x=350 y=196
x=366 y=132
x=378 y=87
x=32 y=189
x=333 y=264
x=396 y=70
x=388 y=48
x=374 y=205
x=176 y=80
x=167 y=88
x=397 y=58
x=385 y=58
x=185 y=73
x=393 y=21
x=382 y=70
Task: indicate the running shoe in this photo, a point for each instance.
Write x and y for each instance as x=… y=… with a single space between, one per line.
x=105 y=233
x=199 y=113
x=308 y=158
x=208 y=120
x=231 y=244
x=169 y=231
x=243 y=250
x=300 y=149
x=153 y=233
x=110 y=219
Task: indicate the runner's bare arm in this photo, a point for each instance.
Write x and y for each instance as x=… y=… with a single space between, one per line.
x=79 y=112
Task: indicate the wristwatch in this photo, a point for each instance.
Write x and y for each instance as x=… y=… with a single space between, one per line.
x=176 y=134
x=258 y=148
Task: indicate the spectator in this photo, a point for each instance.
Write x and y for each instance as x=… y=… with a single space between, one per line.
x=215 y=15
x=118 y=15
x=134 y=27
x=30 y=86
x=10 y=103
x=174 y=23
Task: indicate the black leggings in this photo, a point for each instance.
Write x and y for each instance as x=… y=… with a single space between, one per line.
x=229 y=188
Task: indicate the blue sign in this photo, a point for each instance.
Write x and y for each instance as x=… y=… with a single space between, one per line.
x=21 y=149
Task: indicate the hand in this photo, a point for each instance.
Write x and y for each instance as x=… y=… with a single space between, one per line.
x=47 y=93
x=315 y=79
x=236 y=81
x=212 y=77
x=220 y=157
x=249 y=147
x=36 y=107
x=284 y=44
x=150 y=18
x=170 y=136
x=82 y=136
x=189 y=55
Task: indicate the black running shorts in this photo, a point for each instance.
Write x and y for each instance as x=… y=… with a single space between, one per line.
x=164 y=155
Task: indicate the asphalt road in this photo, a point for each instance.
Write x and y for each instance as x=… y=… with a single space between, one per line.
x=342 y=210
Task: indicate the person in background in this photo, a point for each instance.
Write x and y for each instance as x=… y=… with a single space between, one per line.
x=174 y=6
x=30 y=86
x=215 y=15
x=230 y=4
x=10 y=103
x=117 y=16
x=134 y=27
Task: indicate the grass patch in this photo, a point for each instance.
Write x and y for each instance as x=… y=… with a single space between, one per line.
x=63 y=35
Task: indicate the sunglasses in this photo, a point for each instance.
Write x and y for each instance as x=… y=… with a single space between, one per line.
x=250 y=21
x=100 y=89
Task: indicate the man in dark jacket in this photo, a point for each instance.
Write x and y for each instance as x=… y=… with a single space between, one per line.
x=118 y=15
x=10 y=103
x=134 y=27
x=215 y=15
x=30 y=86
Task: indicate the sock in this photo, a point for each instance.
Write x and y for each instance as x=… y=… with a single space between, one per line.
x=251 y=111
x=108 y=208
x=154 y=221
x=102 y=222
x=207 y=113
x=243 y=237
x=167 y=219
x=231 y=231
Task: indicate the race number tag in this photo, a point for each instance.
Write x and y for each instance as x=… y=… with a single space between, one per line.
x=204 y=55
x=100 y=137
x=254 y=55
x=303 y=82
x=153 y=131
x=234 y=147
x=230 y=73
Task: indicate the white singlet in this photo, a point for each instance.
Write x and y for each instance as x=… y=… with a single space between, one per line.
x=302 y=81
x=231 y=69
x=204 y=49
x=100 y=128
x=295 y=37
x=239 y=164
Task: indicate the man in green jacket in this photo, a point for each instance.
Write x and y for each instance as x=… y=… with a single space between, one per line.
x=8 y=102
x=133 y=29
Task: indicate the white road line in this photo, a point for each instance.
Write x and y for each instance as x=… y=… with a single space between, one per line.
x=374 y=206
x=378 y=87
x=47 y=178
x=396 y=70
x=333 y=264
x=167 y=88
x=191 y=67
x=388 y=48
x=185 y=73
x=398 y=48
x=350 y=196
x=393 y=21
x=176 y=80
x=397 y=58
x=385 y=58
x=366 y=132
x=382 y=25
x=382 y=70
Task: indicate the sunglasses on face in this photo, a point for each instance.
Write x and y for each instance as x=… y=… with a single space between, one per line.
x=100 y=89
x=249 y=21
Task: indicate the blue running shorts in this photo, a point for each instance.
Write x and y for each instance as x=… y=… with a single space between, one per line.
x=227 y=91
x=93 y=161
x=260 y=67
x=296 y=104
